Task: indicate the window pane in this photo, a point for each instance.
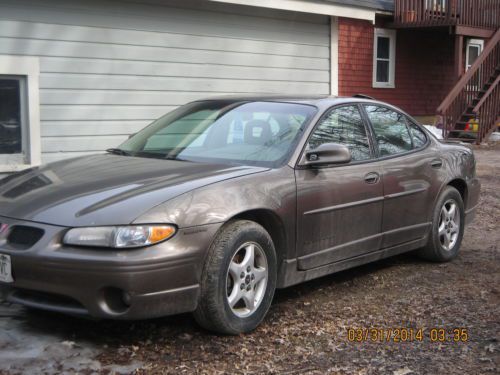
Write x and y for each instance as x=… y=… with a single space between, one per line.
x=10 y=116
x=382 y=71
x=390 y=130
x=473 y=53
x=343 y=125
x=419 y=138
x=383 y=47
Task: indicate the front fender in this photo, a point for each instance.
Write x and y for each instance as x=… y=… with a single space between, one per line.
x=272 y=190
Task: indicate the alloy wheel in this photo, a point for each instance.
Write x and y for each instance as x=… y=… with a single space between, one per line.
x=246 y=280
x=449 y=224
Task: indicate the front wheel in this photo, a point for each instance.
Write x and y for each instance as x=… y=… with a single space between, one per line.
x=238 y=280
x=447 y=227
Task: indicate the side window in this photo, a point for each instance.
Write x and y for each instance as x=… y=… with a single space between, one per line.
x=390 y=130
x=11 y=132
x=418 y=136
x=343 y=125
x=384 y=58
x=19 y=113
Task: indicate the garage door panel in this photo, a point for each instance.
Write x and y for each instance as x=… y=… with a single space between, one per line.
x=109 y=67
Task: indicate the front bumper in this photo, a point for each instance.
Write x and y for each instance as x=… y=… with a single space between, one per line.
x=102 y=283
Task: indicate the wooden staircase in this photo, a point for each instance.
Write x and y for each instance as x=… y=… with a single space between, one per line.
x=471 y=111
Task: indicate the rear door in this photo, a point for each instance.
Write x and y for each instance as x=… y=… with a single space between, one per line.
x=409 y=175
x=339 y=207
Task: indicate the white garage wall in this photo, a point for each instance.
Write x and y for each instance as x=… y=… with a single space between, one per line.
x=108 y=68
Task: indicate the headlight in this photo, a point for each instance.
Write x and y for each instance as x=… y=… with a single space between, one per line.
x=119 y=237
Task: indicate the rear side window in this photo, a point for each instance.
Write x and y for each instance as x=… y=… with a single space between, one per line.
x=417 y=134
x=390 y=129
x=343 y=125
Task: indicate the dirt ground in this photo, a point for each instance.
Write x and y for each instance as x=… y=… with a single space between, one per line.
x=306 y=331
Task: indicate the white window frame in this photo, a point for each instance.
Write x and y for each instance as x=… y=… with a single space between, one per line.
x=391 y=34
x=29 y=69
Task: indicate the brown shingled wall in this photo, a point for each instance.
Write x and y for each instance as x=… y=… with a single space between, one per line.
x=424 y=66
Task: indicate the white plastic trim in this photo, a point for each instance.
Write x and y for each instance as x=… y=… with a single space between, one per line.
x=334 y=56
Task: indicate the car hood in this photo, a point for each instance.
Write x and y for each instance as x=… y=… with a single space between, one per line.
x=104 y=189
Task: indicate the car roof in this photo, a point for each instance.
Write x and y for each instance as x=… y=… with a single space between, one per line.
x=312 y=99
x=320 y=101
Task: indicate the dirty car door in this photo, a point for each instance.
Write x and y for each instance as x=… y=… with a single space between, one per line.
x=339 y=207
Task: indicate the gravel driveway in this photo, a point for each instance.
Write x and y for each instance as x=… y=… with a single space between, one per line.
x=306 y=330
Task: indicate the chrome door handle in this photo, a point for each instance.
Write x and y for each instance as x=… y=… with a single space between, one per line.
x=436 y=163
x=372 y=178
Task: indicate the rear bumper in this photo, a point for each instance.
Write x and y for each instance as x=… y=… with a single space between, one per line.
x=102 y=283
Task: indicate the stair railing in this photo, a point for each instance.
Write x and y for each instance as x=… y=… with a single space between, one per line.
x=470 y=85
x=488 y=111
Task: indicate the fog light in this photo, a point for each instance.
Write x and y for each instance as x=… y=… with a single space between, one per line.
x=115 y=300
x=126 y=298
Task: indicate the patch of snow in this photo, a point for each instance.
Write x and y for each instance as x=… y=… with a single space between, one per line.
x=494 y=137
x=27 y=346
x=438 y=133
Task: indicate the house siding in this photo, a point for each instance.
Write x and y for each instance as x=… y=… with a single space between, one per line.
x=424 y=70
x=108 y=68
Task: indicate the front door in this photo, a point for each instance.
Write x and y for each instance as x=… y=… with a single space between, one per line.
x=339 y=207
x=474 y=49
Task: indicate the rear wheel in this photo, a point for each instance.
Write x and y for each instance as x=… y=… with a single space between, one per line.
x=447 y=227
x=238 y=280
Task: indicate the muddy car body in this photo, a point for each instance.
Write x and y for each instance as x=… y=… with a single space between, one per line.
x=319 y=208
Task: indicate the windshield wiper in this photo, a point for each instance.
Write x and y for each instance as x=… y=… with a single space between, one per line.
x=175 y=158
x=118 y=151
x=143 y=154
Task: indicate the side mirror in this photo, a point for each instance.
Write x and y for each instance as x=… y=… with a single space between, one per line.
x=327 y=153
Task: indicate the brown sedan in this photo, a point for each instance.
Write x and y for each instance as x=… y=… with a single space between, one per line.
x=215 y=205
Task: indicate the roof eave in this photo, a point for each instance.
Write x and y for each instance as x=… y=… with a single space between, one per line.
x=310 y=6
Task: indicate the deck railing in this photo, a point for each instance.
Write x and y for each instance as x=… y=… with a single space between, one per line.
x=472 y=13
x=468 y=94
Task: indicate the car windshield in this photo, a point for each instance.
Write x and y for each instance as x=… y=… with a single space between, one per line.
x=254 y=133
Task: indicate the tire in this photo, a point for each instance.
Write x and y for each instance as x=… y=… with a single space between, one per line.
x=446 y=234
x=227 y=279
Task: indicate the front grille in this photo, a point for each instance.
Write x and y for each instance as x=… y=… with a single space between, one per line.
x=23 y=237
